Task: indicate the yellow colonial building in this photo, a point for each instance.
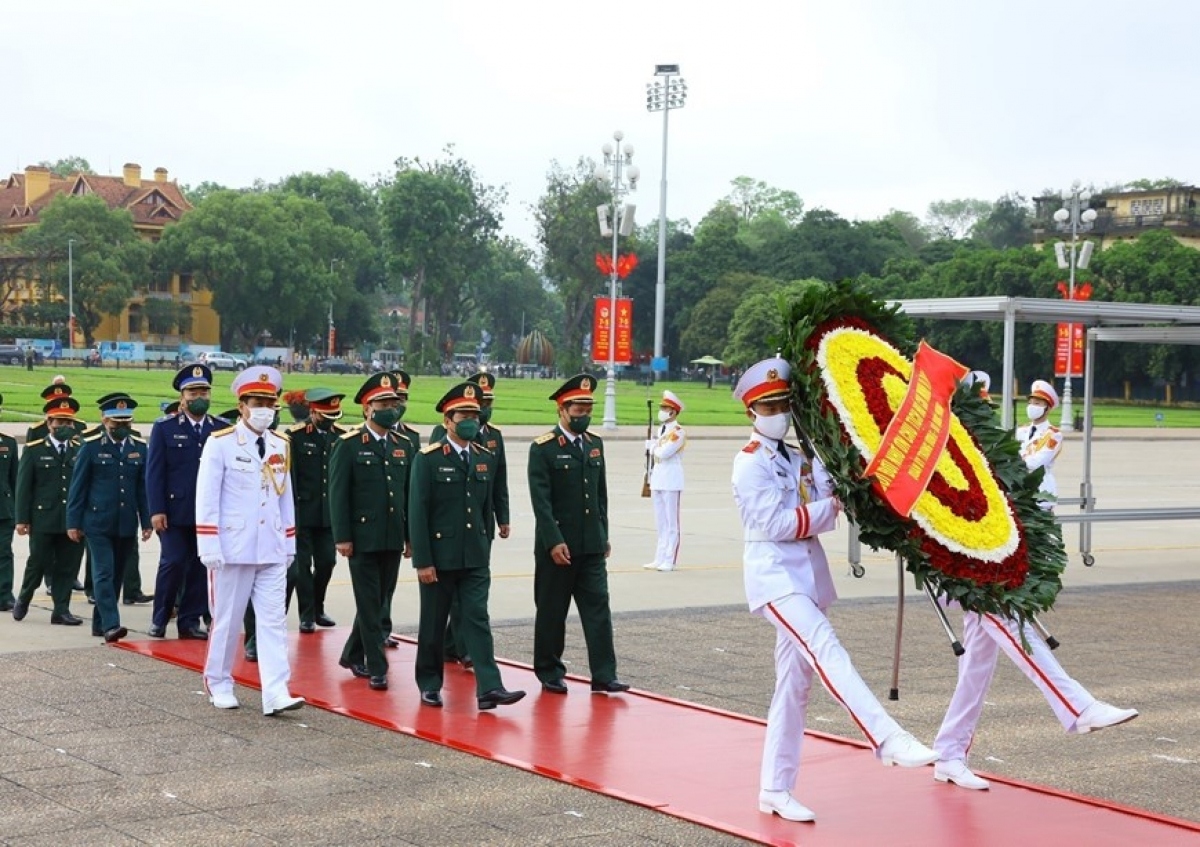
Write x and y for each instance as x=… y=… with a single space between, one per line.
x=1124 y=215
x=154 y=204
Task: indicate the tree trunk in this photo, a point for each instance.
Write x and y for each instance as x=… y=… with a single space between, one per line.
x=414 y=302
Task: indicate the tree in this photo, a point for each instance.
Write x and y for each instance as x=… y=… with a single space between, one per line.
x=715 y=252
x=69 y=166
x=756 y=328
x=511 y=300
x=197 y=194
x=1006 y=225
x=955 y=218
x=109 y=258
x=751 y=198
x=707 y=332
x=909 y=226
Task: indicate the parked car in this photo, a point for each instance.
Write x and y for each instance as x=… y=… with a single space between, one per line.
x=224 y=362
x=335 y=365
x=14 y=354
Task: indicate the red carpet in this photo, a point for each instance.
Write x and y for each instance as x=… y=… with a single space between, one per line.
x=697 y=763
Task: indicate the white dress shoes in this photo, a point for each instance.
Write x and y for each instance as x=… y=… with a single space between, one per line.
x=650 y=566
x=224 y=701
x=782 y=803
x=1101 y=714
x=957 y=772
x=900 y=748
x=283 y=704
x=666 y=566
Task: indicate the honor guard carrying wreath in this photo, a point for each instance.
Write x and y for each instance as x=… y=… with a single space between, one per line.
x=666 y=481
x=246 y=529
x=786 y=500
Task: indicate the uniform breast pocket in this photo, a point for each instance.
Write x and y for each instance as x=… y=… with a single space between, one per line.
x=445 y=478
x=596 y=461
x=243 y=475
x=309 y=450
x=443 y=534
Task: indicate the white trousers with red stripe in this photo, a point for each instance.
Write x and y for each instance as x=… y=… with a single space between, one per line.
x=806 y=645
x=666 y=517
x=229 y=589
x=984 y=636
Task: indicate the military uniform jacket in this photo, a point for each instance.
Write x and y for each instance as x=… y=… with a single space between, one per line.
x=569 y=491
x=8 y=476
x=311 y=449
x=490 y=437
x=244 y=508
x=108 y=488
x=43 y=483
x=1040 y=446
x=667 y=474
x=450 y=507
x=368 y=490
x=174 y=461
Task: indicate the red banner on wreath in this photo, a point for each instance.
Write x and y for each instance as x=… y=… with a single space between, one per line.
x=917 y=434
x=602 y=331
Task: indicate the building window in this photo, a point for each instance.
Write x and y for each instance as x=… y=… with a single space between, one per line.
x=135 y=320
x=1148 y=206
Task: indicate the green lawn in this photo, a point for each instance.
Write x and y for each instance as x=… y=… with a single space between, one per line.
x=518 y=401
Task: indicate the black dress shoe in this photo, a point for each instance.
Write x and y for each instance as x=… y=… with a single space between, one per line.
x=78 y=586
x=193 y=634
x=555 y=686
x=138 y=598
x=467 y=663
x=324 y=620
x=66 y=619
x=7 y=605
x=91 y=600
x=356 y=668
x=308 y=627
x=431 y=698
x=378 y=683
x=498 y=697
x=157 y=631
x=610 y=687
x=97 y=633
x=250 y=653
x=391 y=643
x=20 y=610
x=115 y=634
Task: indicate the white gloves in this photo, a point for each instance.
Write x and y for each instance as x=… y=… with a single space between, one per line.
x=213 y=563
x=650 y=443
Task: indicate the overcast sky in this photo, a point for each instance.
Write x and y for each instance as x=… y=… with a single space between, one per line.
x=859 y=106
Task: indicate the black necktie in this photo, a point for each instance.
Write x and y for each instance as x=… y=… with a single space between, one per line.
x=262 y=447
x=783 y=452
x=198 y=430
x=62 y=450
x=466 y=458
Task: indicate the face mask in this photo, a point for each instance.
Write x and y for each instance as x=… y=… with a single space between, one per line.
x=119 y=433
x=773 y=426
x=467 y=429
x=298 y=411
x=385 y=418
x=197 y=406
x=322 y=423
x=580 y=424
x=62 y=433
x=1034 y=411
x=664 y=415
x=261 y=417
x=485 y=415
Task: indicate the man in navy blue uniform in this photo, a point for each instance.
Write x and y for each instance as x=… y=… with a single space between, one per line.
x=174 y=462
x=107 y=502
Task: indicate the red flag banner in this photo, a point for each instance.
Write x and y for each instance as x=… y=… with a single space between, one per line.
x=917 y=434
x=1068 y=350
x=603 y=331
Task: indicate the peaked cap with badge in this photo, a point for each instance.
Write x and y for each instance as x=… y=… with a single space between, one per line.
x=258 y=381
x=56 y=391
x=765 y=380
x=486 y=382
x=1044 y=391
x=324 y=402
x=463 y=397
x=194 y=375
x=61 y=407
x=577 y=389
x=381 y=386
x=117 y=405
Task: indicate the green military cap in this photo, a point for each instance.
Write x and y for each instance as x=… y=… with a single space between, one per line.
x=403 y=381
x=230 y=415
x=56 y=391
x=170 y=408
x=577 y=389
x=117 y=405
x=380 y=386
x=463 y=397
x=486 y=381
x=61 y=407
x=324 y=402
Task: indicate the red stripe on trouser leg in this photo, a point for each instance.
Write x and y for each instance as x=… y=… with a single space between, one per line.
x=825 y=680
x=1030 y=663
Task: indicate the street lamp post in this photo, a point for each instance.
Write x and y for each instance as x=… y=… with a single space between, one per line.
x=620 y=175
x=331 y=344
x=669 y=92
x=1071 y=219
x=70 y=293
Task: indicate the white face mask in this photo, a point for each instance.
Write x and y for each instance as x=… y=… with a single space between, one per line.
x=773 y=426
x=664 y=415
x=1034 y=411
x=261 y=417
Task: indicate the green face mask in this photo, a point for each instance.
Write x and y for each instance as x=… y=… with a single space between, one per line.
x=120 y=432
x=197 y=406
x=298 y=411
x=322 y=423
x=386 y=418
x=62 y=433
x=485 y=415
x=580 y=424
x=467 y=429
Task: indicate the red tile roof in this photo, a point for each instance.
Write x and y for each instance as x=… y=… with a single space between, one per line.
x=152 y=204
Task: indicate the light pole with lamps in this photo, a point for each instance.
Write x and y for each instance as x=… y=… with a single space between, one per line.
x=670 y=92
x=620 y=175
x=331 y=344
x=70 y=293
x=1070 y=219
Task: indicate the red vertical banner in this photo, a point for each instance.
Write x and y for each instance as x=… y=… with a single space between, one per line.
x=332 y=341
x=603 y=331
x=1068 y=349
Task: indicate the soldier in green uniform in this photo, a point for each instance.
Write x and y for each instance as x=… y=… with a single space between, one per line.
x=491 y=438
x=569 y=490
x=312 y=443
x=43 y=479
x=107 y=502
x=402 y=382
x=368 y=487
x=8 y=485
x=450 y=502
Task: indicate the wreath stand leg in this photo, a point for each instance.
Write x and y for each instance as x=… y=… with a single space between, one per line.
x=955 y=644
x=894 y=693
x=1050 y=640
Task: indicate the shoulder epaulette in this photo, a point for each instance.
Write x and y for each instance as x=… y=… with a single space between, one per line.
x=221 y=433
x=483 y=449
x=93 y=437
x=35 y=442
x=300 y=426
x=432 y=448
x=752 y=446
x=138 y=438
x=542 y=439
x=348 y=435
x=493 y=426
x=282 y=434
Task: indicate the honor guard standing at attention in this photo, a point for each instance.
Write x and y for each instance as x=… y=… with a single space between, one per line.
x=450 y=501
x=43 y=482
x=246 y=528
x=785 y=500
x=107 y=505
x=1040 y=440
x=175 y=446
x=402 y=381
x=491 y=438
x=8 y=487
x=666 y=481
x=368 y=487
x=569 y=491
x=57 y=390
x=312 y=444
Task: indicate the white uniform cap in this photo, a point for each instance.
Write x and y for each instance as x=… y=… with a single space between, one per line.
x=258 y=381
x=764 y=381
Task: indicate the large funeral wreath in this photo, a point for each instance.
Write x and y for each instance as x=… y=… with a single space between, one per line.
x=977 y=534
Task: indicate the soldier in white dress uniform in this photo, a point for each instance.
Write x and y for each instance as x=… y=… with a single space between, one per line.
x=666 y=481
x=786 y=500
x=984 y=636
x=246 y=536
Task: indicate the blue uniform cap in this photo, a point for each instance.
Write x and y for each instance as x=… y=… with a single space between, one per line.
x=117 y=405
x=194 y=375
